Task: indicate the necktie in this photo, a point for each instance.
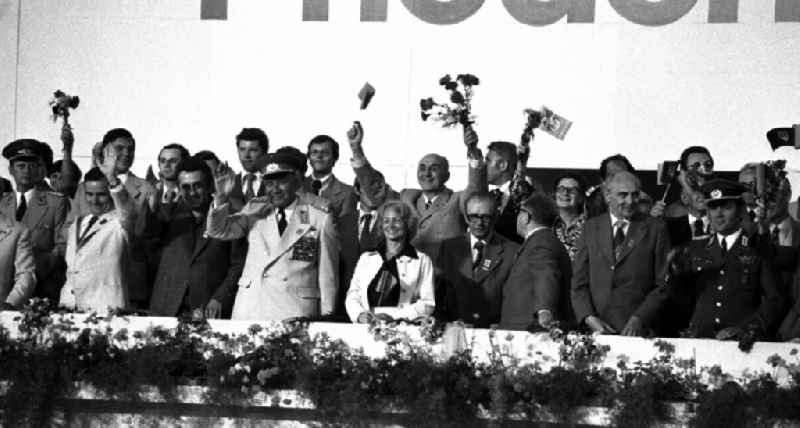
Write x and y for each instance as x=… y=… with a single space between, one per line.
x=316 y=186
x=92 y=221
x=363 y=239
x=498 y=198
x=724 y=245
x=479 y=246
x=775 y=236
x=619 y=235
x=699 y=228
x=23 y=206
x=281 y=220
x=428 y=204
x=249 y=178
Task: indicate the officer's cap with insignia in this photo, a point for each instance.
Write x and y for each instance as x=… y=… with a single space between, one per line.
x=284 y=162
x=24 y=149
x=721 y=190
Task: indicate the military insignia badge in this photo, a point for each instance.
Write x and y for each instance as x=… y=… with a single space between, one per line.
x=716 y=194
x=305 y=249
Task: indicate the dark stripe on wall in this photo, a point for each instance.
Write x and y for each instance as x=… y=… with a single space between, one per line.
x=214 y=9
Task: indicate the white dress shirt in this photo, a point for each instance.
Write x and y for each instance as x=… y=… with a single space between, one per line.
x=730 y=239
x=505 y=188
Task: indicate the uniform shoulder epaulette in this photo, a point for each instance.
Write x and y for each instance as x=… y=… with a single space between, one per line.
x=54 y=194
x=259 y=200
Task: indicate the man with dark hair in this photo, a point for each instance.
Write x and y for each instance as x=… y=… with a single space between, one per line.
x=209 y=157
x=43 y=212
x=291 y=267
x=67 y=187
x=439 y=209
x=252 y=145
x=570 y=195
x=537 y=290
x=610 y=166
x=698 y=159
x=168 y=159
x=733 y=279
x=371 y=195
x=501 y=163
x=472 y=268
x=141 y=195
x=323 y=152
x=99 y=241
x=195 y=272
x=618 y=281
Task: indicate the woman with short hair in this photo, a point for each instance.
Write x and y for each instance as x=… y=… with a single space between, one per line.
x=394 y=279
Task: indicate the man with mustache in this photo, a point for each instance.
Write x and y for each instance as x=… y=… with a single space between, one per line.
x=619 y=273
x=140 y=193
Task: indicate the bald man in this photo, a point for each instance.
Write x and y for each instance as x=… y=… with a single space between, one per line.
x=440 y=210
x=619 y=272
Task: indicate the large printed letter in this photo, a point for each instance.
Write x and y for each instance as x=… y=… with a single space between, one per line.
x=653 y=13
x=787 y=11
x=723 y=11
x=443 y=12
x=539 y=12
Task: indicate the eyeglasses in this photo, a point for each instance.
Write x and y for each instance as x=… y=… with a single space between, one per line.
x=386 y=221
x=485 y=218
x=707 y=164
x=569 y=190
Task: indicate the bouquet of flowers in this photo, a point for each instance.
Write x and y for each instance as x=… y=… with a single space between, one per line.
x=62 y=104
x=770 y=180
x=459 y=109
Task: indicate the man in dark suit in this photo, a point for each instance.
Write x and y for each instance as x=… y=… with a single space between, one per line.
x=195 y=272
x=322 y=153
x=42 y=211
x=618 y=282
x=537 y=289
x=472 y=268
x=252 y=145
x=440 y=210
x=731 y=273
x=501 y=162
x=140 y=193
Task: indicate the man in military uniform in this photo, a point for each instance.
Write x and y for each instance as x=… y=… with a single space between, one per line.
x=291 y=267
x=735 y=283
x=42 y=211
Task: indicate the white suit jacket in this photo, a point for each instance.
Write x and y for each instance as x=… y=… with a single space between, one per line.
x=284 y=276
x=97 y=265
x=17 y=277
x=416 y=286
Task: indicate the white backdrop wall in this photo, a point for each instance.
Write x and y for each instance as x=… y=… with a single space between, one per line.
x=156 y=68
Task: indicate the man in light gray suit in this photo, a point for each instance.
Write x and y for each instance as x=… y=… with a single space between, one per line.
x=17 y=278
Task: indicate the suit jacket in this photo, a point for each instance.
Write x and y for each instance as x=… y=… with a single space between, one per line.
x=17 y=267
x=738 y=288
x=97 y=273
x=342 y=199
x=507 y=222
x=44 y=217
x=284 y=276
x=193 y=265
x=631 y=282
x=139 y=191
x=539 y=280
x=473 y=296
x=416 y=285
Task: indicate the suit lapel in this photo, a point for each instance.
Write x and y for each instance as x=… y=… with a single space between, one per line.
x=635 y=233
x=297 y=226
x=92 y=231
x=200 y=240
x=8 y=205
x=37 y=207
x=464 y=254
x=603 y=226
x=5 y=228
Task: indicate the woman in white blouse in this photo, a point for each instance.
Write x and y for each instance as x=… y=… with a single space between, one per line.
x=395 y=279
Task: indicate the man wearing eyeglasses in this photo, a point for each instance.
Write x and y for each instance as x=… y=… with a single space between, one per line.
x=537 y=290
x=473 y=267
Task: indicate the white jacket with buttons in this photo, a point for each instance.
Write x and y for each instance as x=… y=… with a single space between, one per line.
x=416 y=286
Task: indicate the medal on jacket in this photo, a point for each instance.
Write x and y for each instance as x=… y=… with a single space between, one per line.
x=303 y=214
x=487 y=263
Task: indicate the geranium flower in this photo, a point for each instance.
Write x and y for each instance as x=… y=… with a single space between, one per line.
x=445 y=80
x=426 y=103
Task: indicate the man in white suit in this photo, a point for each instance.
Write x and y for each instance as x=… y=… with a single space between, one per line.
x=17 y=277
x=291 y=267
x=98 y=243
